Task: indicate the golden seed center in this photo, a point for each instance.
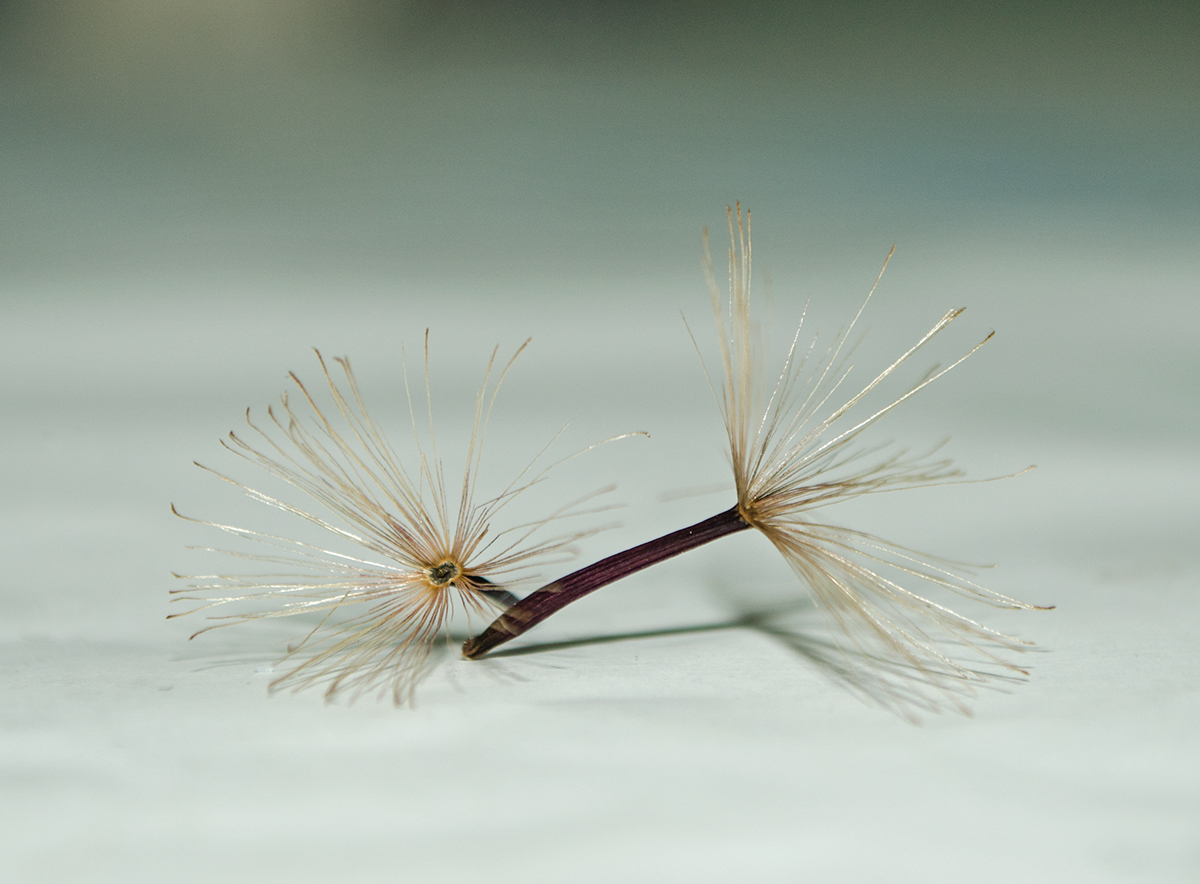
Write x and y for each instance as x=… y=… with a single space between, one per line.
x=446 y=572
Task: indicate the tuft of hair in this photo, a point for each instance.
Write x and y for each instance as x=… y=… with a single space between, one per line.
x=792 y=444
x=424 y=548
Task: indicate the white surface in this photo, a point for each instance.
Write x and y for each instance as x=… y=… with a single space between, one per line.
x=131 y=754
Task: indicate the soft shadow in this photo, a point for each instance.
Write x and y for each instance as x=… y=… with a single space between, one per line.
x=898 y=686
x=735 y=623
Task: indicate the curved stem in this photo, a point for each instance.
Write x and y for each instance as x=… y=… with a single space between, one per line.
x=539 y=605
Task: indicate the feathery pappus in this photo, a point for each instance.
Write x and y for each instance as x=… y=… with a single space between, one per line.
x=426 y=546
x=791 y=439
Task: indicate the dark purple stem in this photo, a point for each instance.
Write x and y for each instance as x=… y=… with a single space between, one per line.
x=539 y=605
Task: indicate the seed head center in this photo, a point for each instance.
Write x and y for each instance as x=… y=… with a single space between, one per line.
x=443 y=574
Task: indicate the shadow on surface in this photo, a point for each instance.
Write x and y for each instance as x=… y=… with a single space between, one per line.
x=897 y=685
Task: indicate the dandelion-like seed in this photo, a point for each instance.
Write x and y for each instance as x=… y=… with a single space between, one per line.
x=792 y=453
x=429 y=546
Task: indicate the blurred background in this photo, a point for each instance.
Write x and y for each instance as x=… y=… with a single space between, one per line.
x=194 y=194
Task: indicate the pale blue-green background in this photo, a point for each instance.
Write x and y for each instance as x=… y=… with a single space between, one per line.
x=194 y=194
